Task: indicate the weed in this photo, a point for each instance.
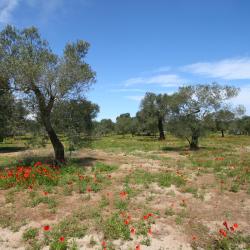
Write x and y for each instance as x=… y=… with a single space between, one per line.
x=114 y=228
x=30 y=234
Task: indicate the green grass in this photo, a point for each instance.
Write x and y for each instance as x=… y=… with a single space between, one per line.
x=164 y=179
x=114 y=228
x=102 y=167
x=30 y=234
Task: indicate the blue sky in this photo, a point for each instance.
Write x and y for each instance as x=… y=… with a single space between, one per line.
x=146 y=45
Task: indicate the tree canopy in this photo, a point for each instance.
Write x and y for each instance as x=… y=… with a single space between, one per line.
x=41 y=76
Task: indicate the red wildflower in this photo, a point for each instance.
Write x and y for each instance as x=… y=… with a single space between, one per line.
x=37 y=164
x=10 y=173
x=46 y=228
x=123 y=194
x=226 y=225
x=223 y=232
x=89 y=189
x=232 y=229
x=235 y=225
x=194 y=237
x=62 y=239
x=220 y=159
x=81 y=177
x=45 y=193
x=104 y=243
x=145 y=217
x=26 y=175
x=132 y=230
x=150 y=231
x=150 y=214
x=126 y=222
x=138 y=247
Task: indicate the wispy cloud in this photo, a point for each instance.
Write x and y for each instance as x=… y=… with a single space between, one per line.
x=165 y=80
x=46 y=9
x=6 y=9
x=135 y=97
x=229 y=69
x=126 y=90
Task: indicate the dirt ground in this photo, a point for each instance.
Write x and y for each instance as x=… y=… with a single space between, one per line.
x=196 y=217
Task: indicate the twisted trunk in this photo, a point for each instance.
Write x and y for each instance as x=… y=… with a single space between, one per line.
x=45 y=110
x=194 y=142
x=56 y=143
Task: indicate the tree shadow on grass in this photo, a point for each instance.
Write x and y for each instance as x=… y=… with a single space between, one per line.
x=76 y=162
x=84 y=161
x=175 y=149
x=4 y=150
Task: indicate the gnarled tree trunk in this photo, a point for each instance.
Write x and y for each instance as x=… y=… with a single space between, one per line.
x=56 y=143
x=45 y=110
x=160 y=127
x=194 y=142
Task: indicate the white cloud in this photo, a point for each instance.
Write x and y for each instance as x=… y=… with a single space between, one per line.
x=165 y=80
x=135 y=97
x=126 y=90
x=228 y=69
x=6 y=9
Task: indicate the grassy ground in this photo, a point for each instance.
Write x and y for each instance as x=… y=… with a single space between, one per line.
x=127 y=193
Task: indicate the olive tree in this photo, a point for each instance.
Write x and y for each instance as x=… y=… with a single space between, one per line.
x=41 y=76
x=123 y=124
x=197 y=104
x=105 y=127
x=157 y=107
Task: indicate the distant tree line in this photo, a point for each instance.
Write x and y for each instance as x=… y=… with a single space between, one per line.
x=189 y=113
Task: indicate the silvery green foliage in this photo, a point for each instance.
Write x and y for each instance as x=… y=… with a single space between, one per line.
x=29 y=63
x=196 y=106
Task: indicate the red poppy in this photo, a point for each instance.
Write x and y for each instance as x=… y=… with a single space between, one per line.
x=62 y=239
x=226 y=225
x=37 y=164
x=235 y=225
x=26 y=175
x=232 y=229
x=132 y=230
x=126 y=222
x=45 y=193
x=138 y=247
x=223 y=232
x=104 y=243
x=194 y=237
x=89 y=189
x=10 y=173
x=123 y=194
x=145 y=217
x=46 y=228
